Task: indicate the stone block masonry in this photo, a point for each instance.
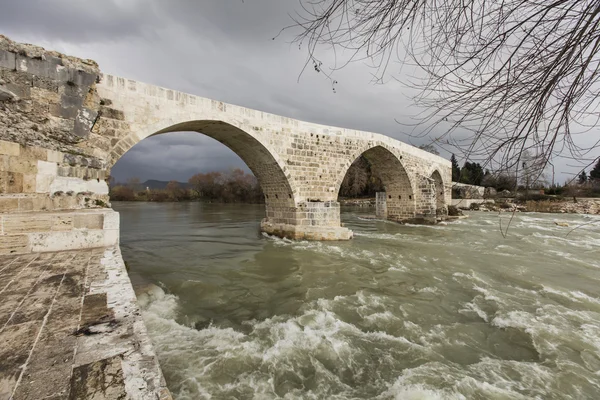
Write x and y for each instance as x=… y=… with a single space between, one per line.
x=70 y=328
x=381 y=205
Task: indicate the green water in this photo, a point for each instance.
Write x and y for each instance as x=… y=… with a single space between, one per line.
x=399 y=312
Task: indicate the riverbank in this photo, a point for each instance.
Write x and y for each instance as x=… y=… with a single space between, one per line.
x=581 y=206
x=169 y=200
x=365 y=202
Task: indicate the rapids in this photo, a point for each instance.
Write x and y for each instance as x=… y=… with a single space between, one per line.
x=399 y=312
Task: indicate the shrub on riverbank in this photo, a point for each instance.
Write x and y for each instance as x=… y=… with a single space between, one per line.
x=235 y=186
x=453 y=211
x=544 y=206
x=122 y=193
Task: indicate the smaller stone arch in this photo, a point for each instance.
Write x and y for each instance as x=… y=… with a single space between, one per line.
x=439 y=191
x=400 y=202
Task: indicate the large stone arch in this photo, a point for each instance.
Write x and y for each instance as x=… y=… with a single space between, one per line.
x=264 y=163
x=399 y=189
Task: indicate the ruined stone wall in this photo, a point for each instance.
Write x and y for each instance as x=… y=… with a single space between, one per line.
x=466 y=191
x=47 y=99
x=48 y=106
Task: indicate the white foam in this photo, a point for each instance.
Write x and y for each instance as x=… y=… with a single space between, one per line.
x=399 y=268
x=428 y=290
x=515 y=319
x=472 y=307
x=470 y=276
x=399 y=391
x=573 y=295
x=487 y=294
x=380 y=317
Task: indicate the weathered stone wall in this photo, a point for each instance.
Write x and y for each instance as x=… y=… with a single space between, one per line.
x=381 y=205
x=48 y=104
x=47 y=99
x=64 y=125
x=55 y=231
x=466 y=191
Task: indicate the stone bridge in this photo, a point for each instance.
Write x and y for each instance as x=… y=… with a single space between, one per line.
x=299 y=165
x=65 y=124
x=69 y=323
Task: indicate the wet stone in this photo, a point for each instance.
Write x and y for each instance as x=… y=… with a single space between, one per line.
x=15 y=343
x=45 y=316
x=99 y=380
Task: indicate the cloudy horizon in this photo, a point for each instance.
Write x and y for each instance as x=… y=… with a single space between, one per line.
x=223 y=51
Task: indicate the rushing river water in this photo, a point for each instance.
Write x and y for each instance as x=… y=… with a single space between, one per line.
x=399 y=312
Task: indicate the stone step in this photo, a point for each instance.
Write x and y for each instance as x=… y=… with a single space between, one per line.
x=37 y=232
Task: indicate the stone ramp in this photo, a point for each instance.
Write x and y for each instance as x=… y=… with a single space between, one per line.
x=70 y=328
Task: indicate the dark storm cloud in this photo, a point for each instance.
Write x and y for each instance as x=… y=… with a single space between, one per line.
x=217 y=49
x=160 y=157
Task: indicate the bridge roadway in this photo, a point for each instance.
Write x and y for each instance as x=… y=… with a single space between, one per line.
x=70 y=328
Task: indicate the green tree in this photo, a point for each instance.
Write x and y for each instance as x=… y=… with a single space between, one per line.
x=455 y=169
x=500 y=181
x=471 y=173
x=360 y=180
x=582 y=178
x=595 y=172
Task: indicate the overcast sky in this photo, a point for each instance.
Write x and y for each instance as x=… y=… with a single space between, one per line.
x=221 y=49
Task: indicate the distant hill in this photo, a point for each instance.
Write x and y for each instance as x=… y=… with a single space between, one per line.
x=154 y=184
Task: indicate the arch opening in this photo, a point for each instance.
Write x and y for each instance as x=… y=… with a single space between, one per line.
x=439 y=191
x=260 y=160
x=392 y=182
x=278 y=194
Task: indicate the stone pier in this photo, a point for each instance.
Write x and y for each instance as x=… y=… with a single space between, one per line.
x=381 y=205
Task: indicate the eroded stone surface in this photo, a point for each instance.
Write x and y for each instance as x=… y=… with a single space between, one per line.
x=70 y=328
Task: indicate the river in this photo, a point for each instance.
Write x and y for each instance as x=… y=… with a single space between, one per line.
x=399 y=312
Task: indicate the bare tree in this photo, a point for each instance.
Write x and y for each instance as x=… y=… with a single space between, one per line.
x=134 y=184
x=500 y=77
x=532 y=168
x=173 y=189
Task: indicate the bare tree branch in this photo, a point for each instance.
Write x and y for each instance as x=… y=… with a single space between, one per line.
x=500 y=77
